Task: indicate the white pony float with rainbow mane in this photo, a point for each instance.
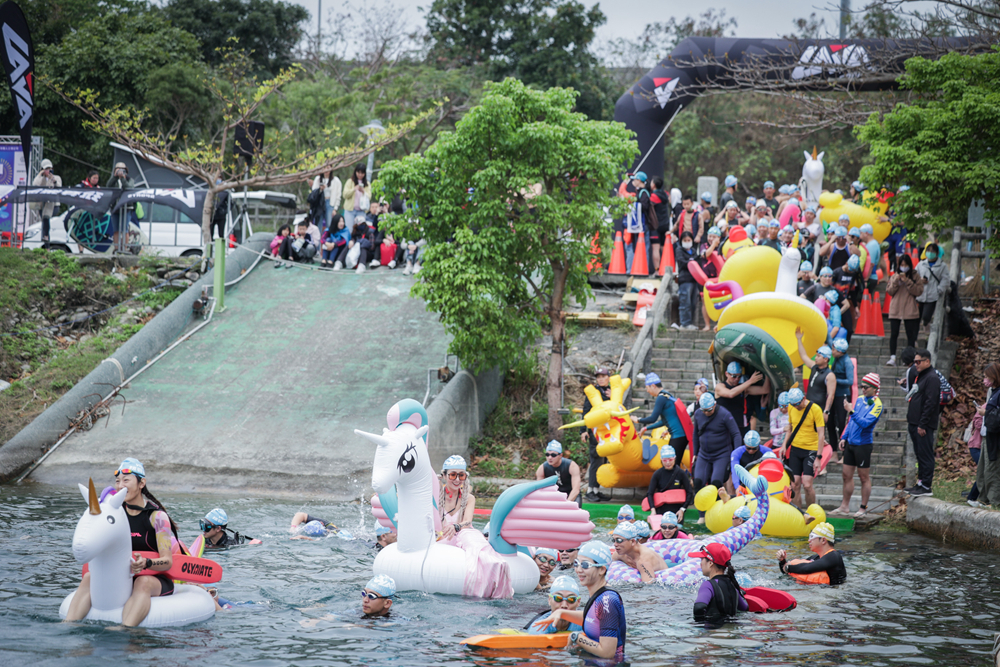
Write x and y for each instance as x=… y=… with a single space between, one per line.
x=529 y=514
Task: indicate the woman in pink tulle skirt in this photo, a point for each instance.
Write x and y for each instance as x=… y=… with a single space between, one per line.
x=486 y=571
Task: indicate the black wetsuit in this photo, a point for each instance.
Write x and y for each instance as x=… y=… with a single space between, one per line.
x=144 y=539
x=665 y=480
x=817 y=392
x=832 y=563
x=565 y=478
x=724 y=604
x=737 y=406
x=225 y=541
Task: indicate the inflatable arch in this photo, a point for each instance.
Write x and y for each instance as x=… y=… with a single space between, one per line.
x=698 y=63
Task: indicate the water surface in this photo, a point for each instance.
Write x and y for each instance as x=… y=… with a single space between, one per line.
x=908 y=601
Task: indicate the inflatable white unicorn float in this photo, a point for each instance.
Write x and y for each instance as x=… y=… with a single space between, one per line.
x=811 y=183
x=102 y=540
x=404 y=480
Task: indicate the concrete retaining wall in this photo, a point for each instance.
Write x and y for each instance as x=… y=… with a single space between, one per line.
x=954 y=524
x=459 y=412
x=35 y=439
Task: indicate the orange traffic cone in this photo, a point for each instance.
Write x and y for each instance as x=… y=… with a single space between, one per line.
x=617 y=266
x=594 y=265
x=667 y=255
x=640 y=265
x=885 y=304
x=879 y=328
x=863 y=325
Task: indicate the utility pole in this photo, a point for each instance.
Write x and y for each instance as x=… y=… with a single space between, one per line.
x=319 y=28
x=845 y=16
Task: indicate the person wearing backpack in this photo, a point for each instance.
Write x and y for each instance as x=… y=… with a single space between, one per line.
x=922 y=412
x=988 y=468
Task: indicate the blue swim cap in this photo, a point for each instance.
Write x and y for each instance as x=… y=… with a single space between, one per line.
x=734 y=368
x=783 y=190
x=751 y=231
x=703 y=382
x=795 y=396
x=792 y=188
x=774 y=224
x=752 y=440
x=454 y=462
x=730 y=181
x=854 y=231
x=565 y=584
x=833 y=296
x=743 y=513
x=825 y=351
x=133 y=466
x=642 y=528
x=857 y=185
x=867 y=229
x=714 y=231
x=381 y=530
x=853 y=263
x=626 y=529
x=545 y=551
x=313 y=529
x=640 y=175
x=826 y=271
x=599 y=552
x=706 y=402
x=783 y=399
x=768 y=184
x=806 y=266
x=669 y=519
x=652 y=378
x=840 y=345
x=840 y=231
x=751 y=200
x=217 y=517
x=706 y=196
x=626 y=511
x=554 y=446
x=844 y=218
x=810 y=209
x=382 y=584
x=667 y=452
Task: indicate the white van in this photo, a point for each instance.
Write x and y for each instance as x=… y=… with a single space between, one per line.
x=167 y=231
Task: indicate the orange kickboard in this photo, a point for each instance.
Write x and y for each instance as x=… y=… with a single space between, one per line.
x=557 y=640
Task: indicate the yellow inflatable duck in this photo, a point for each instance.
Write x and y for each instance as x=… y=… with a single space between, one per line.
x=783 y=520
x=631 y=460
x=872 y=213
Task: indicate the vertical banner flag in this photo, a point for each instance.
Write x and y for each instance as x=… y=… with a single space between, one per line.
x=19 y=63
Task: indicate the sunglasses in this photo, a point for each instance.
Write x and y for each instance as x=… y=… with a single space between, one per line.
x=568 y=551
x=572 y=599
x=371 y=596
x=583 y=565
x=662 y=528
x=206 y=526
x=551 y=562
x=550 y=455
x=457 y=475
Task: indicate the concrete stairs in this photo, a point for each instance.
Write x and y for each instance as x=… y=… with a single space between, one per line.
x=681 y=357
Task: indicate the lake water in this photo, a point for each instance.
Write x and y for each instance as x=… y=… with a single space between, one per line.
x=908 y=601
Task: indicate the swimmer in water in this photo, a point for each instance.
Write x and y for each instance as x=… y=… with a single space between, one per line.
x=566 y=558
x=565 y=594
x=644 y=531
x=721 y=596
x=826 y=559
x=741 y=515
x=215 y=533
x=670 y=528
x=626 y=513
x=309 y=527
x=376 y=597
x=629 y=551
x=383 y=537
x=603 y=619
x=546 y=560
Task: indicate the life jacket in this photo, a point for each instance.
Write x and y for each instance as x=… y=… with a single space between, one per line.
x=668 y=497
x=814 y=578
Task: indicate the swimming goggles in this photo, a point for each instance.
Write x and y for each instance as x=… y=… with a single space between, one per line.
x=667 y=527
x=617 y=540
x=126 y=471
x=206 y=526
x=585 y=565
x=623 y=517
x=551 y=562
x=552 y=455
x=371 y=596
x=568 y=598
x=568 y=551
x=457 y=475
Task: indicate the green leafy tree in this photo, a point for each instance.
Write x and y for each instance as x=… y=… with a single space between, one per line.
x=270 y=29
x=943 y=144
x=541 y=42
x=501 y=261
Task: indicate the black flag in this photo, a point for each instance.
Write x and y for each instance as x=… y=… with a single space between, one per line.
x=19 y=63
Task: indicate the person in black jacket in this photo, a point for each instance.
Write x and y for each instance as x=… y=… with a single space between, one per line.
x=671 y=477
x=922 y=412
x=601 y=379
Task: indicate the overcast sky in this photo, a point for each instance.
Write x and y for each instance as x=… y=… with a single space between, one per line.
x=758 y=18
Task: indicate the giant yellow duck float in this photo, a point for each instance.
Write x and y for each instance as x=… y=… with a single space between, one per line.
x=871 y=213
x=631 y=460
x=783 y=520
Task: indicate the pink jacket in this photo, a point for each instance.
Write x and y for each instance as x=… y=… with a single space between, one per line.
x=276 y=244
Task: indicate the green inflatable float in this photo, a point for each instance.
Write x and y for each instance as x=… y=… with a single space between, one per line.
x=754 y=348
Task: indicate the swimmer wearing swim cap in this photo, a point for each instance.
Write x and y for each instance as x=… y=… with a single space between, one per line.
x=377 y=595
x=563 y=594
x=628 y=550
x=825 y=558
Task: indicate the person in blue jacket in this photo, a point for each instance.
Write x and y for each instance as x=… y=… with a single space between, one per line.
x=858 y=443
x=749 y=454
x=664 y=414
x=715 y=437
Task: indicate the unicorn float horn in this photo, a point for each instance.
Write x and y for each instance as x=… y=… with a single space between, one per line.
x=95 y=506
x=377 y=439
